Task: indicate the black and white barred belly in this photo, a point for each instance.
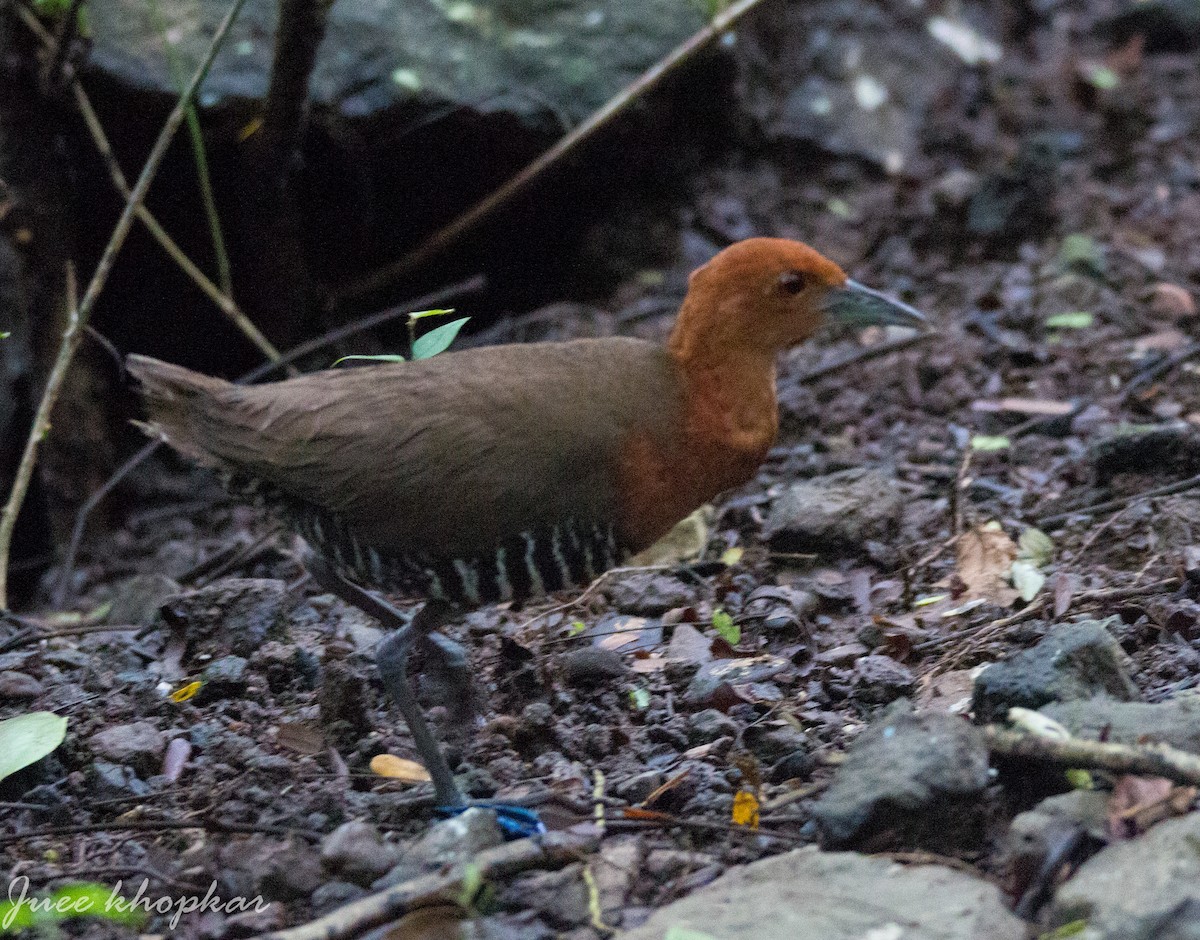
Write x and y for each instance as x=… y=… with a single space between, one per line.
x=570 y=554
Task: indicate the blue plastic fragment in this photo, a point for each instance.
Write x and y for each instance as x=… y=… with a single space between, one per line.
x=516 y=822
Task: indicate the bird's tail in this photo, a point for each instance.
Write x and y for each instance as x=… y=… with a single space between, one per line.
x=176 y=401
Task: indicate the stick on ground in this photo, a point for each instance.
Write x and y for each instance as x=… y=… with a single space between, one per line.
x=1152 y=760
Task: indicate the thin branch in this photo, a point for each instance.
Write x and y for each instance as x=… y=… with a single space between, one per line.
x=71 y=338
x=864 y=355
x=552 y=850
x=613 y=108
x=299 y=33
x=1152 y=760
x=470 y=285
x=224 y=302
x=81 y=312
x=1169 y=489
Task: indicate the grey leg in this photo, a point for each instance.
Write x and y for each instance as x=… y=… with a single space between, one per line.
x=392 y=659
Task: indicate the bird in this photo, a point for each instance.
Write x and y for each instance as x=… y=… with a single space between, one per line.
x=503 y=473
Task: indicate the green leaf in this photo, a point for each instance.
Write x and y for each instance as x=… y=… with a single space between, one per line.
x=729 y=631
x=1079 y=779
x=26 y=739
x=4 y=335
x=422 y=314
x=576 y=628
x=1027 y=579
x=97 y=900
x=437 y=340
x=1077 y=320
x=390 y=357
x=639 y=698
x=1102 y=77
x=987 y=442
x=1036 y=546
x=1072 y=929
x=1082 y=253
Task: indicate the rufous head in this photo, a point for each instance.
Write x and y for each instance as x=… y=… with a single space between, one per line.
x=768 y=294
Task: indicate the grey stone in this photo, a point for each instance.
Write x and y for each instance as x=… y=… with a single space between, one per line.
x=559 y=896
x=139 y=745
x=446 y=843
x=770 y=744
x=879 y=680
x=137 y=600
x=1073 y=661
x=904 y=768
x=223 y=678
x=356 y=852
x=239 y=613
x=709 y=725
x=116 y=780
x=334 y=894
x=292 y=874
x=1135 y=888
x=838 y=896
x=554 y=56
x=838 y=513
x=635 y=789
x=650 y=594
x=18 y=687
x=713 y=675
x=592 y=666
x=1175 y=721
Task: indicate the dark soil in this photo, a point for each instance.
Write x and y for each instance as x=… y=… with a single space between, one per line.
x=1094 y=207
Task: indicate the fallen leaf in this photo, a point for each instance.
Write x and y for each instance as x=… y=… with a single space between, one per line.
x=1027 y=579
x=1137 y=803
x=1036 y=546
x=988 y=443
x=26 y=739
x=689 y=645
x=685 y=542
x=182 y=694
x=985 y=557
x=1075 y=320
x=1023 y=406
x=667 y=787
x=1064 y=591
x=729 y=631
x=745 y=809
x=304 y=738
x=399 y=768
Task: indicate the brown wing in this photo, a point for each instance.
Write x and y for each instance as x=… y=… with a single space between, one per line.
x=444 y=455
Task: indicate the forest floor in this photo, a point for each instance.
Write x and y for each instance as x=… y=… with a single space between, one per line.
x=1059 y=394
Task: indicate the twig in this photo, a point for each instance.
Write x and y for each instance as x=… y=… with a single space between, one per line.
x=71 y=338
x=158 y=825
x=863 y=355
x=1153 y=760
x=1157 y=371
x=1169 y=489
x=1034 y=609
x=91 y=121
x=552 y=850
x=82 y=311
x=470 y=285
x=614 y=107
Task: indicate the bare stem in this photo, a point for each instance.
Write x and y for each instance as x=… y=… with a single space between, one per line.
x=81 y=311
x=614 y=107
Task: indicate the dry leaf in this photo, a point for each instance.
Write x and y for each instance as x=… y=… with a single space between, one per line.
x=1137 y=803
x=666 y=788
x=745 y=809
x=985 y=557
x=302 y=737
x=398 y=768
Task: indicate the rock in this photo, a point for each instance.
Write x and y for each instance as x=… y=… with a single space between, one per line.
x=635 y=789
x=837 y=896
x=829 y=76
x=292 y=874
x=561 y=897
x=334 y=894
x=592 y=666
x=136 y=601
x=904 y=772
x=18 y=687
x=223 y=678
x=113 y=781
x=1073 y=661
x=356 y=852
x=713 y=675
x=650 y=594
x=709 y=725
x=665 y=864
x=1175 y=721
x=139 y=745
x=236 y=613
x=1042 y=834
x=446 y=843
x=842 y=655
x=1166 y=450
x=773 y=743
x=879 y=680
x=838 y=513
x=1139 y=889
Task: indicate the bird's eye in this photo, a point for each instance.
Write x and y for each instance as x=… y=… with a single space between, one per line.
x=792 y=282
